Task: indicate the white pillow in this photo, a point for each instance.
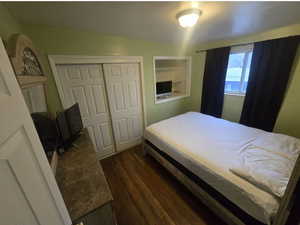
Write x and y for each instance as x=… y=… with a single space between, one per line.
x=265 y=169
x=279 y=143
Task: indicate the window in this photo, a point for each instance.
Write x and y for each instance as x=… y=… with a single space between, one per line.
x=238 y=70
x=172 y=77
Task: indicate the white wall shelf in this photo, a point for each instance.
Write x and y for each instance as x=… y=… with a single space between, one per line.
x=174 y=69
x=30 y=81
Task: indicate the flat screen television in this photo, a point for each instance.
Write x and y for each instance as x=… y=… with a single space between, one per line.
x=63 y=127
x=74 y=120
x=70 y=125
x=164 y=88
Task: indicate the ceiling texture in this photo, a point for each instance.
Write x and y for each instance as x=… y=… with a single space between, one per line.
x=156 y=21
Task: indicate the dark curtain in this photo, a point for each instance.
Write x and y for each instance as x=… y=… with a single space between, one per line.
x=269 y=74
x=214 y=81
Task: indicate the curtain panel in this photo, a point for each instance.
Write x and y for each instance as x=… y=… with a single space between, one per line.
x=214 y=81
x=270 y=69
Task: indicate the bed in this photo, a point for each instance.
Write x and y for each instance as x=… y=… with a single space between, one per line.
x=203 y=148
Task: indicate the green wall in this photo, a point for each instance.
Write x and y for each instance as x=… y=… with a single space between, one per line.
x=288 y=120
x=8 y=24
x=57 y=40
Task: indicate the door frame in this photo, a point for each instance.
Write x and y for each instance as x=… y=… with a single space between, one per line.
x=81 y=59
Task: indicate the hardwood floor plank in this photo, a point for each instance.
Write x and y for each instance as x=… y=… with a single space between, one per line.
x=191 y=203
x=191 y=207
x=125 y=209
x=167 y=196
x=152 y=195
x=150 y=207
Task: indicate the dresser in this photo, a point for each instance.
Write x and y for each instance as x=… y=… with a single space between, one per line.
x=83 y=185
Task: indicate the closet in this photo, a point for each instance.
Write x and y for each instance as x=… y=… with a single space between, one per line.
x=109 y=97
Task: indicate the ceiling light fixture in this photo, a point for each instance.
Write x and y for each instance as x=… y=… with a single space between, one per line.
x=188 y=17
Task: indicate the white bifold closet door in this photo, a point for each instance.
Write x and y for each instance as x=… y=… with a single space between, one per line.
x=109 y=100
x=124 y=94
x=84 y=83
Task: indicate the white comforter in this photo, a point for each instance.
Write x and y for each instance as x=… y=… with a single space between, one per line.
x=209 y=147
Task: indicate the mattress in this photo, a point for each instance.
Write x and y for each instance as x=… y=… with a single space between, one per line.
x=208 y=146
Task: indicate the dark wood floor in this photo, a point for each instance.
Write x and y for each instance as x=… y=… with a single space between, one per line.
x=146 y=194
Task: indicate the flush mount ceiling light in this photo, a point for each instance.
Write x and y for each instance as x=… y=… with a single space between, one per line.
x=188 y=17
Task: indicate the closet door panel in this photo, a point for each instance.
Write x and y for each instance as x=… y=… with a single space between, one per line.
x=78 y=94
x=105 y=130
x=98 y=92
x=117 y=97
x=124 y=94
x=84 y=84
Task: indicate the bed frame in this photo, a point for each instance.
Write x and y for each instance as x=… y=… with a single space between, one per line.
x=222 y=207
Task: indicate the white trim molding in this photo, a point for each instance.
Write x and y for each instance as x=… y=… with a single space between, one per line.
x=80 y=59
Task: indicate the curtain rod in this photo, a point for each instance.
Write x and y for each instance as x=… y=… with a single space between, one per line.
x=204 y=50
x=250 y=43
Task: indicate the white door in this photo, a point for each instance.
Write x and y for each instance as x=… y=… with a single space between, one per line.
x=124 y=94
x=84 y=84
x=28 y=191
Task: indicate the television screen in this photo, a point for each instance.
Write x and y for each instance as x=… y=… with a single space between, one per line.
x=63 y=127
x=74 y=120
x=163 y=87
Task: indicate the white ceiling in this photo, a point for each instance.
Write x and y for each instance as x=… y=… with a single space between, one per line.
x=156 y=21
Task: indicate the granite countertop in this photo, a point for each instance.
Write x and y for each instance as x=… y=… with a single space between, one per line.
x=81 y=179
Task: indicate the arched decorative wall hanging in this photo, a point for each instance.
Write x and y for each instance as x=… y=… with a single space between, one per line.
x=25 y=61
x=29 y=72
